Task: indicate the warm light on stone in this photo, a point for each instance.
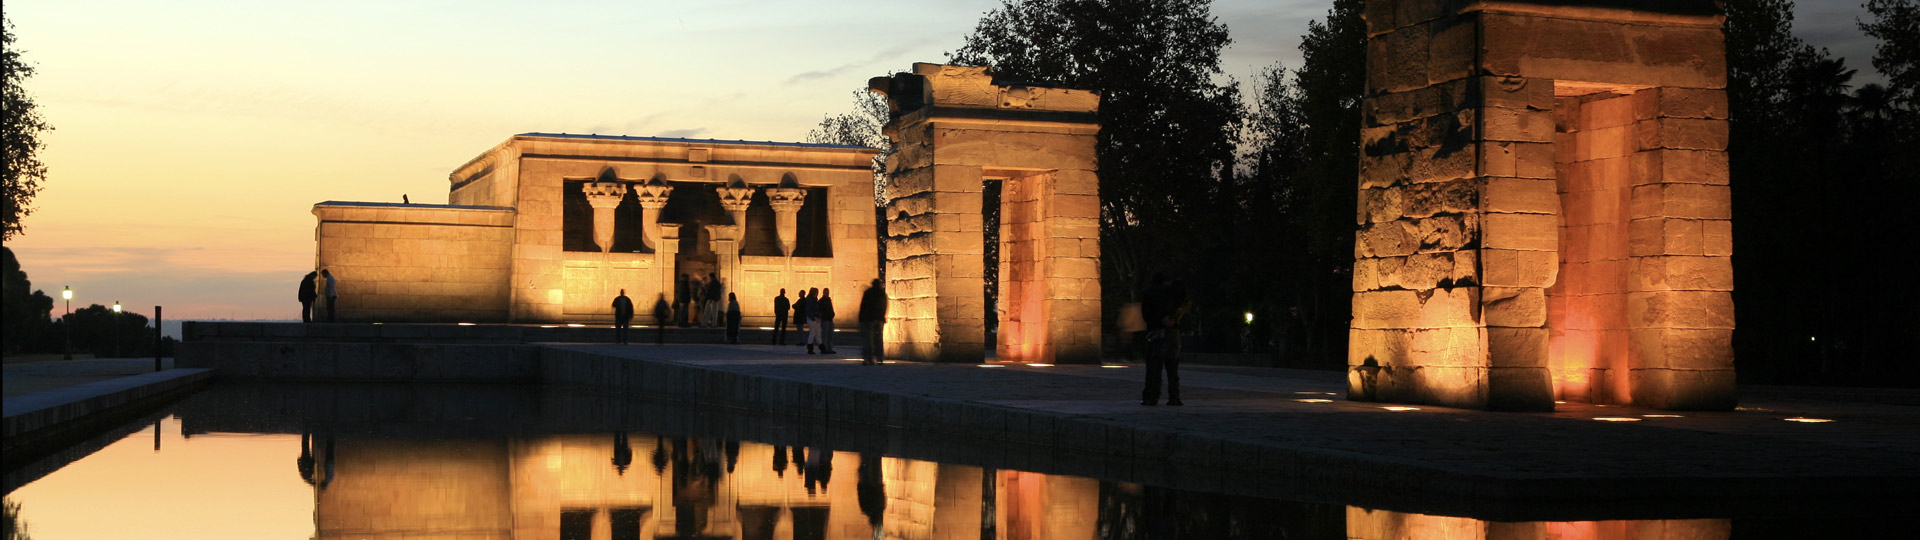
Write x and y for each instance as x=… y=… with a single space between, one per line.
x=549 y=227
x=1543 y=210
x=954 y=128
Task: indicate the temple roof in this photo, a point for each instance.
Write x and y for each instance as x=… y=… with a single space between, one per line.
x=692 y=141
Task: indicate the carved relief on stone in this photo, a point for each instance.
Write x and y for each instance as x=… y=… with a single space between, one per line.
x=735 y=197
x=604 y=196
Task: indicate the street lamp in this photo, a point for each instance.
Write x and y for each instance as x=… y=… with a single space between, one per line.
x=66 y=293
x=116 y=328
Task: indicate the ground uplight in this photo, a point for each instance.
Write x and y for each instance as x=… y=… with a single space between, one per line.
x=1040 y=365
x=992 y=366
x=1314 y=400
x=1401 y=409
x=1616 y=419
x=1804 y=420
x=465 y=324
x=575 y=325
x=1663 y=415
x=1112 y=366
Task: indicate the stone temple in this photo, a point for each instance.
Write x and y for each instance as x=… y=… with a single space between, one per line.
x=546 y=228
x=1544 y=206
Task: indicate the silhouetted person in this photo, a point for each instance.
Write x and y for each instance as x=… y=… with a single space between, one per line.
x=873 y=322
x=733 y=319
x=622 y=317
x=1164 y=305
x=779 y=462
x=622 y=453
x=812 y=302
x=680 y=291
x=715 y=311
x=403 y=199
x=307 y=296
x=800 y=316
x=826 y=320
x=333 y=296
x=780 y=307
x=695 y=307
x=662 y=316
x=870 y=490
x=305 y=461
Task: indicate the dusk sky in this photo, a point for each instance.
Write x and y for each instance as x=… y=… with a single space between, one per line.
x=193 y=137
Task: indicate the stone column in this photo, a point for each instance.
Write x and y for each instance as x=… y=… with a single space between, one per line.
x=653 y=197
x=604 y=196
x=786 y=201
x=734 y=198
x=663 y=257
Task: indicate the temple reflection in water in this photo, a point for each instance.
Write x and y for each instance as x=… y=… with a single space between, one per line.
x=637 y=486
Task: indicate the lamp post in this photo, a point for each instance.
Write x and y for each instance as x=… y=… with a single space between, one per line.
x=116 y=328
x=66 y=293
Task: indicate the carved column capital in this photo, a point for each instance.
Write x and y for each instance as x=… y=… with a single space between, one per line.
x=653 y=195
x=604 y=194
x=786 y=199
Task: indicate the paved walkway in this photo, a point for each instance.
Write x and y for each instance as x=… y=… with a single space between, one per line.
x=24 y=378
x=1305 y=412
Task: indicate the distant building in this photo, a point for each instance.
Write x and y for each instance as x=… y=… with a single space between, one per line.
x=549 y=227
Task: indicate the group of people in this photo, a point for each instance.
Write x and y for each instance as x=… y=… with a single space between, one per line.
x=697 y=302
x=813 y=316
x=314 y=286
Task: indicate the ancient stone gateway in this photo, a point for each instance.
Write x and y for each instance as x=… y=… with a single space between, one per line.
x=1544 y=206
x=956 y=128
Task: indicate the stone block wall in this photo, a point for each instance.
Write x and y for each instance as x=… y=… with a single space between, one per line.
x=550 y=284
x=415 y=263
x=953 y=128
x=1502 y=184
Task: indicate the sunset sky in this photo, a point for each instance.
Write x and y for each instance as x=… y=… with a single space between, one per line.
x=193 y=137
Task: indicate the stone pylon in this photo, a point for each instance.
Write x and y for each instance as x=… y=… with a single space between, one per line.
x=1544 y=206
x=955 y=128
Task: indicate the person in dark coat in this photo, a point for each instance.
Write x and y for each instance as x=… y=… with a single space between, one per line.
x=780 y=307
x=800 y=316
x=812 y=302
x=733 y=319
x=1165 y=304
x=716 y=312
x=697 y=302
x=333 y=295
x=662 y=316
x=622 y=317
x=680 y=300
x=307 y=296
x=826 y=320
x=873 y=322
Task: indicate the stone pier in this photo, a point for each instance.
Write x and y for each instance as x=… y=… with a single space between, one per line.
x=1544 y=206
x=956 y=128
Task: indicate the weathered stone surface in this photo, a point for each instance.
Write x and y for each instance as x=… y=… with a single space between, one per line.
x=1682 y=133
x=1680 y=309
x=1522 y=196
x=1530 y=232
x=1680 y=103
x=1689 y=201
x=1667 y=236
x=1680 y=167
x=1517 y=347
x=1522 y=307
x=1681 y=273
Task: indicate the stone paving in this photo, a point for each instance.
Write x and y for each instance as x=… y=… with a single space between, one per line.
x=24 y=378
x=1863 y=449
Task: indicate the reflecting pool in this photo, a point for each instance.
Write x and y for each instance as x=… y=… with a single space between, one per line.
x=504 y=462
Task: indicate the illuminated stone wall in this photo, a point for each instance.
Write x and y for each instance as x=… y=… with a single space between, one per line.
x=1368 y=524
x=532 y=263
x=401 y=263
x=954 y=128
x=1543 y=206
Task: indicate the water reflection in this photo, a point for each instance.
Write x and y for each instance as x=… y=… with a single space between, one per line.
x=417 y=468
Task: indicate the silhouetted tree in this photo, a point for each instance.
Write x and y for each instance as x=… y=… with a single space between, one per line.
x=26 y=313
x=1896 y=23
x=21 y=125
x=861 y=127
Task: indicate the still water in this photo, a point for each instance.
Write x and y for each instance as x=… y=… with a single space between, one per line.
x=487 y=462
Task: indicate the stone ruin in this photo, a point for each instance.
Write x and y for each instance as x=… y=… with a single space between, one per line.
x=1544 y=208
x=955 y=128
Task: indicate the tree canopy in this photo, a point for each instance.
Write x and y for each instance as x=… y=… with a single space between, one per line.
x=21 y=125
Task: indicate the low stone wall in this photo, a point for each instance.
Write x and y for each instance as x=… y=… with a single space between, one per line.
x=363 y=362
x=44 y=421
